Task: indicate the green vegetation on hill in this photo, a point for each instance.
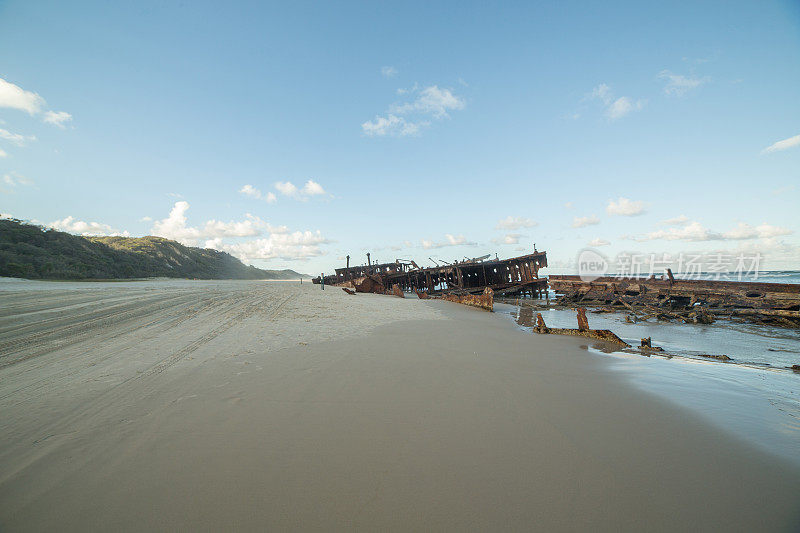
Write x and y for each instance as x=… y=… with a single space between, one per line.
x=28 y=251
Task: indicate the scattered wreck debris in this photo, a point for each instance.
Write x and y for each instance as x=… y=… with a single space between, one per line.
x=582 y=330
x=690 y=301
x=348 y=291
x=647 y=346
x=719 y=357
x=482 y=301
x=583 y=322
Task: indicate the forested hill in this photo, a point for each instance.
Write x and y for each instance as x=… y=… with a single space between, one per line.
x=28 y=251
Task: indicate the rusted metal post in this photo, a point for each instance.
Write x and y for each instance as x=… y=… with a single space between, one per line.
x=583 y=322
x=368 y=263
x=541 y=327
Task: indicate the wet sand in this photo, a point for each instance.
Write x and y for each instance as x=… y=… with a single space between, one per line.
x=251 y=405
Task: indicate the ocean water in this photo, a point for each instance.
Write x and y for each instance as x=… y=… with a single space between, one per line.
x=776 y=276
x=765 y=276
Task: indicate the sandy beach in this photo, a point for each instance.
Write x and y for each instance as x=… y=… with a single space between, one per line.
x=164 y=405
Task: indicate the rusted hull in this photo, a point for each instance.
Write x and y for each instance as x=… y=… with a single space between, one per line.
x=365 y=284
x=482 y=301
x=516 y=276
x=397 y=292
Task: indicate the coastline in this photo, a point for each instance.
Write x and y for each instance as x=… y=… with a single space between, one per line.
x=375 y=413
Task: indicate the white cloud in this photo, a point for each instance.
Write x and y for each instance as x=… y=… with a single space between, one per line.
x=89 y=229
x=780 y=191
x=625 y=207
x=582 y=222
x=450 y=240
x=785 y=144
x=312 y=188
x=457 y=241
x=146 y=219
x=599 y=242
x=744 y=231
x=433 y=101
x=679 y=85
x=622 y=106
x=251 y=226
x=512 y=223
x=568 y=205
x=392 y=125
x=602 y=92
x=430 y=102
x=57 y=118
x=289 y=246
x=3 y=153
x=15 y=97
x=615 y=108
x=286 y=188
x=695 y=232
x=691 y=231
x=510 y=238
x=16 y=138
x=388 y=72
x=174 y=227
x=402 y=90
x=679 y=220
x=13 y=179
x=249 y=190
x=279 y=242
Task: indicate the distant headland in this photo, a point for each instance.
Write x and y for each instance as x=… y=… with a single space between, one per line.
x=32 y=252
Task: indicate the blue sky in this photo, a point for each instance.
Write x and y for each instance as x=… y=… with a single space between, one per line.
x=407 y=129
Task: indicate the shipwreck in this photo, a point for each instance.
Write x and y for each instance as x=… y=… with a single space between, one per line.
x=478 y=280
x=515 y=276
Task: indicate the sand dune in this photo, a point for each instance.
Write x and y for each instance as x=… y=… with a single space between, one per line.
x=253 y=405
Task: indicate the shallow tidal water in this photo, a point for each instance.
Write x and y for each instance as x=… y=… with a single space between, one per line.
x=753 y=396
